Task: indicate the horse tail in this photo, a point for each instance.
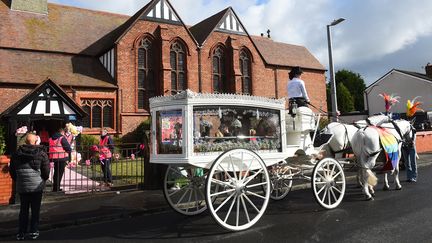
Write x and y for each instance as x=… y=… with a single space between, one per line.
x=372 y=179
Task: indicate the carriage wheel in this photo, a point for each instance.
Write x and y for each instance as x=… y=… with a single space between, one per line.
x=238 y=189
x=184 y=189
x=328 y=183
x=281 y=180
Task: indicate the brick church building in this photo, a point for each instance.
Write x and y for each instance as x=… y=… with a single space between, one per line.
x=60 y=63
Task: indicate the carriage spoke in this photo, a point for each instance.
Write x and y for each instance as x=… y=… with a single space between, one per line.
x=248 y=169
x=320 y=182
x=259 y=184
x=329 y=197
x=181 y=198
x=337 y=174
x=238 y=211
x=234 y=171
x=224 y=202
x=333 y=194
x=222 y=183
x=325 y=194
x=322 y=177
x=251 y=203
x=196 y=200
x=253 y=176
x=230 y=208
x=337 y=189
x=333 y=168
x=224 y=192
x=226 y=173
x=254 y=194
x=245 y=208
x=190 y=197
x=320 y=190
x=179 y=190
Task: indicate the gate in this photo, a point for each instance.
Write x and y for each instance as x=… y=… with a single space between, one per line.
x=84 y=172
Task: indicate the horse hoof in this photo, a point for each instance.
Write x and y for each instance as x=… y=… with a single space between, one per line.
x=373 y=195
x=369 y=198
x=398 y=188
x=386 y=188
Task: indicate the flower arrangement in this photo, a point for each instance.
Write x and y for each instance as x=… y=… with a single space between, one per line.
x=20 y=131
x=204 y=147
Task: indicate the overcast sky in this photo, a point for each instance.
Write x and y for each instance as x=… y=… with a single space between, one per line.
x=378 y=35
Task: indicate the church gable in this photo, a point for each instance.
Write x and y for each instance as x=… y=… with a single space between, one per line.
x=231 y=23
x=161 y=11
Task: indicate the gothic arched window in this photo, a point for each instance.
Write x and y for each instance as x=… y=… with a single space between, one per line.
x=245 y=68
x=178 y=67
x=146 y=78
x=219 y=73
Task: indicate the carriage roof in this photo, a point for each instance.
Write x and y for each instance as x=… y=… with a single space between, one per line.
x=189 y=97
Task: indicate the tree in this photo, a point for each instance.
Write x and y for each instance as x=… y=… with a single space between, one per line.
x=355 y=85
x=345 y=99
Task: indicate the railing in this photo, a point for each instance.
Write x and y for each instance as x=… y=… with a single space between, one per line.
x=89 y=171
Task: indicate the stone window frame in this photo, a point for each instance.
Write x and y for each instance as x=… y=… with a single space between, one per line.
x=101 y=104
x=219 y=53
x=177 y=50
x=245 y=58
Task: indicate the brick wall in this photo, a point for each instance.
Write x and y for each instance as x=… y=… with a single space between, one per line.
x=424 y=142
x=163 y=36
x=10 y=95
x=5 y=183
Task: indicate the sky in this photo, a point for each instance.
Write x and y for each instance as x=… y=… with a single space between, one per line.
x=377 y=35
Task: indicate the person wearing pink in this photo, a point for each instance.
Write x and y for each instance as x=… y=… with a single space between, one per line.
x=105 y=146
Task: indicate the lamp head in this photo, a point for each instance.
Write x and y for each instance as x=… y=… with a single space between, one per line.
x=337 y=21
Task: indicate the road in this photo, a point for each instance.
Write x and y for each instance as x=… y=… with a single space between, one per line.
x=394 y=216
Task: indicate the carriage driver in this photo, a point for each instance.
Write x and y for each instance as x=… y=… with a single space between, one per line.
x=296 y=89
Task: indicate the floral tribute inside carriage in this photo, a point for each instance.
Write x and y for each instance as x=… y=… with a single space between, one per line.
x=227 y=153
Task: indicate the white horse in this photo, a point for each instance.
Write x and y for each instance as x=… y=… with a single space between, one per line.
x=341 y=140
x=366 y=147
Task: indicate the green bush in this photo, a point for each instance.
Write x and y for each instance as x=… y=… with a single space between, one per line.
x=87 y=140
x=2 y=140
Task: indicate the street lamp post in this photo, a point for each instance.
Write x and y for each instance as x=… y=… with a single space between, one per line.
x=332 y=74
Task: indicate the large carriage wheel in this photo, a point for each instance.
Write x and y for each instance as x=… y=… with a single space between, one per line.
x=184 y=189
x=328 y=183
x=237 y=189
x=281 y=180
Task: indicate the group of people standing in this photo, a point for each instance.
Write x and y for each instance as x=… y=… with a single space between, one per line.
x=30 y=169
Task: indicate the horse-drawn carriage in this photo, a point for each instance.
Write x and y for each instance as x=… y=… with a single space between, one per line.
x=232 y=153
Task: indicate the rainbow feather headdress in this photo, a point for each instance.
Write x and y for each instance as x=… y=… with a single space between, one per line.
x=413 y=107
x=389 y=100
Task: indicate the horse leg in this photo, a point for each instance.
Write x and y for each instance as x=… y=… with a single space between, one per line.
x=396 y=172
x=386 y=184
x=364 y=179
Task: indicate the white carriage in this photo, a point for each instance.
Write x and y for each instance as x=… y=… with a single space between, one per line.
x=232 y=153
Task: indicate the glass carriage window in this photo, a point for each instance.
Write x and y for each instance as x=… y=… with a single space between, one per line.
x=245 y=68
x=219 y=128
x=219 y=77
x=146 y=87
x=169 y=133
x=178 y=67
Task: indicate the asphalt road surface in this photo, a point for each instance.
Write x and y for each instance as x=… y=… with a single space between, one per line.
x=394 y=216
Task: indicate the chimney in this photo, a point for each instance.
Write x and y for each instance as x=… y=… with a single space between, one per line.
x=268 y=34
x=428 y=70
x=32 y=6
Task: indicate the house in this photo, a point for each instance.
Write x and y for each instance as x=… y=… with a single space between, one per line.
x=405 y=84
x=98 y=69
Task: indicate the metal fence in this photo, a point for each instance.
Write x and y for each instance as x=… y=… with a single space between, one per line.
x=86 y=170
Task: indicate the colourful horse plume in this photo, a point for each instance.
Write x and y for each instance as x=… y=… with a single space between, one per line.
x=413 y=107
x=389 y=100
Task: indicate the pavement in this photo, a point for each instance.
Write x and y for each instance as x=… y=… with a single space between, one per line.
x=62 y=210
